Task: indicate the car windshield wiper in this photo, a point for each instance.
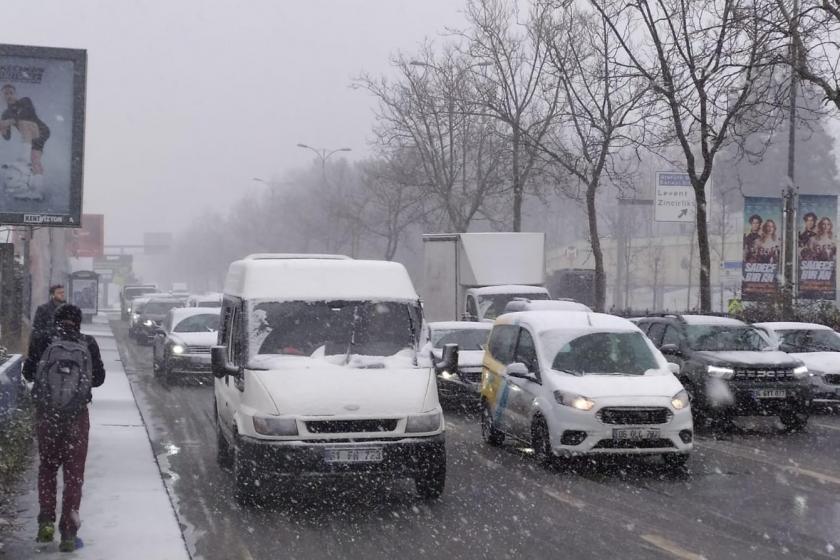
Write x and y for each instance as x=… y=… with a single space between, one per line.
x=570 y=372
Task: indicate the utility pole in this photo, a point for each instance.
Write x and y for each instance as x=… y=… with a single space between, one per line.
x=789 y=253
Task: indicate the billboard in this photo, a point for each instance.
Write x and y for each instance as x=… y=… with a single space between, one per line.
x=817 y=248
x=42 y=120
x=674 y=199
x=762 y=248
x=89 y=240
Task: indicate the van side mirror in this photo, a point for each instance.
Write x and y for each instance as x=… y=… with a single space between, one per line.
x=449 y=361
x=518 y=369
x=221 y=367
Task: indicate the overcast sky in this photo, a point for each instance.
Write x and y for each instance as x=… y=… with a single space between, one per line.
x=188 y=100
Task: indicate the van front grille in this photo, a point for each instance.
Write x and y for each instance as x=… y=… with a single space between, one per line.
x=351 y=426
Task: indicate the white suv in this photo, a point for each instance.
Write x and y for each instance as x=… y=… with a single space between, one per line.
x=582 y=383
x=317 y=375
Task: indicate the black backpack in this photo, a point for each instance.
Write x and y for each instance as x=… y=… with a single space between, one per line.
x=63 y=378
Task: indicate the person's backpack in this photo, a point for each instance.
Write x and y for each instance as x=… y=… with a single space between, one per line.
x=63 y=378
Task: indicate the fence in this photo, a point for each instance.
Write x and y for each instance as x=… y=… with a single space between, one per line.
x=11 y=386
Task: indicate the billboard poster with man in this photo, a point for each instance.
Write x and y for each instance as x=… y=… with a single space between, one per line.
x=817 y=248
x=42 y=116
x=762 y=248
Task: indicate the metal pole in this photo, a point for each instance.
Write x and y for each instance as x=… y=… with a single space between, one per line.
x=788 y=248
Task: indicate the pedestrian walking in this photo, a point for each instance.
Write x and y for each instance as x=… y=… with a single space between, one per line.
x=64 y=365
x=42 y=323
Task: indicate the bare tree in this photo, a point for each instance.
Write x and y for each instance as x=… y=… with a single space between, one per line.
x=600 y=116
x=430 y=111
x=511 y=59
x=703 y=62
x=809 y=42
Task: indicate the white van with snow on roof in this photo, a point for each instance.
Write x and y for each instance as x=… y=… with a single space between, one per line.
x=317 y=374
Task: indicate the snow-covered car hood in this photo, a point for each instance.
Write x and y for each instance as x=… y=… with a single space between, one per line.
x=466 y=358
x=748 y=359
x=656 y=383
x=313 y=387
x=823 y=362
x=195 y=338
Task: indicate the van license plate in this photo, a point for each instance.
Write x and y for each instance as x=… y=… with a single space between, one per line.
x=770 y=393
x=353 y=455
x=635 y=434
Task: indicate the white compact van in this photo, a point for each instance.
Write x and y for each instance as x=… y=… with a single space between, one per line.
x=317 y=374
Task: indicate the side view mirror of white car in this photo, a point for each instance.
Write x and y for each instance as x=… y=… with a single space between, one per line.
x=518 y=369
x=674 y=368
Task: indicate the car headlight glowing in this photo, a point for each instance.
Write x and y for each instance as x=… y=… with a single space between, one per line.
x=575 y=401
x=178 y=349
x=148 y=322
x=275 y=426
x=680 y=400
x=421 y=423
x=720 y=372
x=800 y=372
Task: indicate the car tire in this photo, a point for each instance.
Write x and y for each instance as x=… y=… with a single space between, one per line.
x=489 y=433
x=541 y=442
x=794 y=421
x=245 y=482
x=431 y=482
x=224 y=454
x=675 y=461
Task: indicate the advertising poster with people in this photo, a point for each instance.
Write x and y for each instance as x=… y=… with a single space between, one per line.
x=817 y=247
x=42 y=104
x=762 y=248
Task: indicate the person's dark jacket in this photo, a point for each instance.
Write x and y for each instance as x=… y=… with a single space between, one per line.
x=37 y=346
x=42 y=324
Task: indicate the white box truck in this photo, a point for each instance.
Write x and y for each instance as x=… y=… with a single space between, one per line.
x=472 y=276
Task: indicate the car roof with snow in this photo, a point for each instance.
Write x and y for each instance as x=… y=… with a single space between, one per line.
x=317 y=279
x=524 y=304
x=791 y=326
x=509 y=289
x=181 y=313
x=460 y=325
x=542 y=321
x=714 y=320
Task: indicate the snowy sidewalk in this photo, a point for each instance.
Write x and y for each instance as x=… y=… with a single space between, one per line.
x=126 y=513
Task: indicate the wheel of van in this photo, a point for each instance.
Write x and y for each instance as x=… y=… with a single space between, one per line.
x=244 y=479
x=675 y=461
x=794 y=421
x=541 y=442
x=431 y=481
x=489 y=433
x=224 y=454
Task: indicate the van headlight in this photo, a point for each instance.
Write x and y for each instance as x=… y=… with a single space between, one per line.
x=421 y=423
x=178 y=349
x=680 y=400
x=720 y=372
x=275 y=426
x=575 y=401
x=800 y=372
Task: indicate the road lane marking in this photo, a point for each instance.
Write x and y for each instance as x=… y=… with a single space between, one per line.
x=762 y=458
x=826 y=426
x=565 y=498
x=672 y=548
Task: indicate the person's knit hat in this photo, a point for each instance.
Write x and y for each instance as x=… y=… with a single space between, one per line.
x=68 y=312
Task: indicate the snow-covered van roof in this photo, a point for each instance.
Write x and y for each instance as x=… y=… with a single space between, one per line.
x=313 y=279
x=571 y=320
x=509 y=289
x=460 y=325
x=521 y=304
x=790 y=326
x=265 y=256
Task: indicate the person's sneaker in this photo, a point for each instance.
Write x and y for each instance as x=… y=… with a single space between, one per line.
x=46 y=532
x=68 y=545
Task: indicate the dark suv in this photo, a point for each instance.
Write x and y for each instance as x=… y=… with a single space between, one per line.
x=152 y=315
x=730 y=369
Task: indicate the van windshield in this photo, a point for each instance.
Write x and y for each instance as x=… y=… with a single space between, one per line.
x=331 y=328
x=603 y=353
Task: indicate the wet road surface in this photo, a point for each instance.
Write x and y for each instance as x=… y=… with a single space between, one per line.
x=753 y=493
